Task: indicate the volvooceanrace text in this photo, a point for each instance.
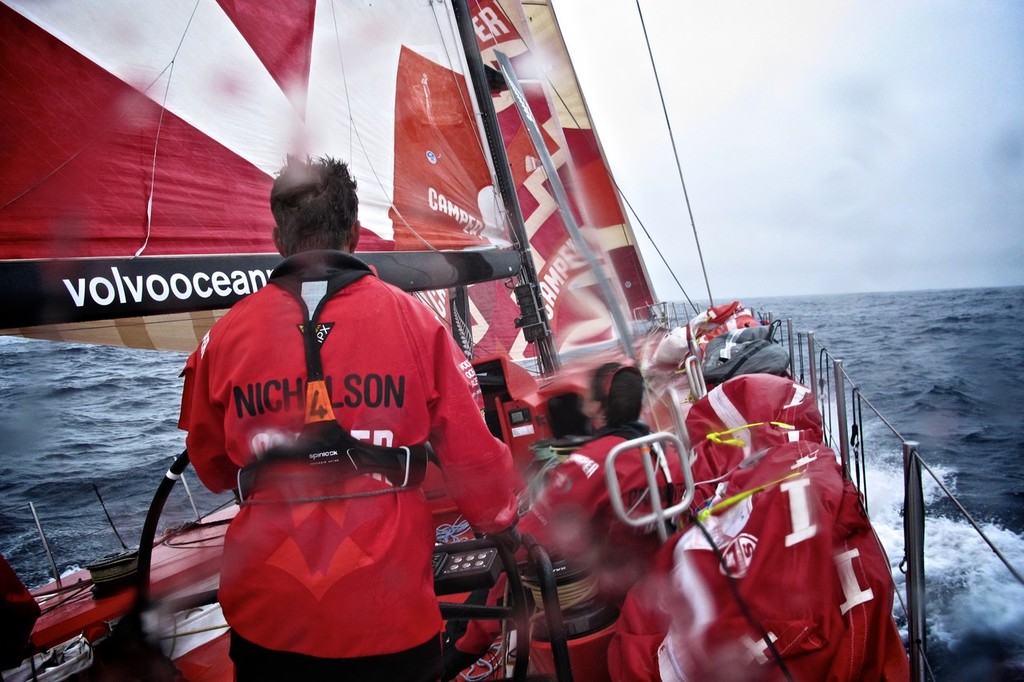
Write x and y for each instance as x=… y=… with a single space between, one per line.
x=123 y=289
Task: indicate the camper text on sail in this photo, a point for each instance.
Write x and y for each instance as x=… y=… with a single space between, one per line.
x=442 y=204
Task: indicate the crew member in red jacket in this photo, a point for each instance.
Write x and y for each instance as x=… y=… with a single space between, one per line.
x=573 y=518
x=18 y=614
x=327 y=573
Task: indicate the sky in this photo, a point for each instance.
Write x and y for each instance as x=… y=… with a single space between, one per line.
x=826 y=147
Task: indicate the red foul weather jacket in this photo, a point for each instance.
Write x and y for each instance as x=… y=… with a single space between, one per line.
x=339 y=578
x=805 y=566
x=573 y=515
x=573 y=518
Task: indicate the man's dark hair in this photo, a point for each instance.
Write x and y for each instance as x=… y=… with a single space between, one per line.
x=620 y=389
x=601 y=381
x=314 y=203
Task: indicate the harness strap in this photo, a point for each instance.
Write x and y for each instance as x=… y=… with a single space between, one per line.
x=337 y=457
x=323 y=442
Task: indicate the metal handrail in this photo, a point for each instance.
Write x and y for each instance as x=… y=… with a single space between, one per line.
x=913 y=534
x=678 y=420
x=844 y=447
x=659 y=516
x=842 y=379
x=695 y=375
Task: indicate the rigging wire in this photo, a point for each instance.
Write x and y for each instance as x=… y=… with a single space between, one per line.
x=113 y=526
x=625 y=199
x=47 y=176
x=675 y=152
x=629 y=205
x=159 y=127
x=656 y=248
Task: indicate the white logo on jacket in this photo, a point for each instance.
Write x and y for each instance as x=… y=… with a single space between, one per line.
x=738 y=555
x=589 y=466
x=204 y=344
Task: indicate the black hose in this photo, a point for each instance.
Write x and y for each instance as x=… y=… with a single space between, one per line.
x=521 y=614
x=156 y=508
x=552 y=609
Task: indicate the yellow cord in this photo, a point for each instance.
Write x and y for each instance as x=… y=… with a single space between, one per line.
x=738 y=497
x=716 y=437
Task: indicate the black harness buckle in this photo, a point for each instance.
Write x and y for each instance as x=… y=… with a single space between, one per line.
x=332 y=455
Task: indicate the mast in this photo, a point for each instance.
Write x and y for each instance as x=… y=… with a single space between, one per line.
x=534 y=319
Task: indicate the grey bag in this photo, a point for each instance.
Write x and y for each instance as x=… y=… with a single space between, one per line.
x=744 y=351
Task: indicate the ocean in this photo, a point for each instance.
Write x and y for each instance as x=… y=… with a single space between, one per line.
x=946 y=368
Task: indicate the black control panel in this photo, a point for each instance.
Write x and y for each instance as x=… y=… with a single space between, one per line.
x=463 y=570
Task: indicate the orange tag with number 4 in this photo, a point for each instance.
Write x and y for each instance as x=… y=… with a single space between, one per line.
x=318 y=403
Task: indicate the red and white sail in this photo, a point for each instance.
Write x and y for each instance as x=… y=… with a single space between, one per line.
x=579 y=313
x=141 y=140
x=148 y=133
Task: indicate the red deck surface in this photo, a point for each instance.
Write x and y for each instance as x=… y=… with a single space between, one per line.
x=181 y=561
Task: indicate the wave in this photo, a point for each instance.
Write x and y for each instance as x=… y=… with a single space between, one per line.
x=974 y=605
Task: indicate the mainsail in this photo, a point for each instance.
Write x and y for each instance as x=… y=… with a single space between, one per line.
x=141 y=139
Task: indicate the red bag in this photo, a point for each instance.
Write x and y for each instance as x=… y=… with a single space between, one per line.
x=717 y=320
x=806 y=573
x=743 y=416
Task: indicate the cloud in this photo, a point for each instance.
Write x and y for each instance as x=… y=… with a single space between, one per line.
x=851 y=147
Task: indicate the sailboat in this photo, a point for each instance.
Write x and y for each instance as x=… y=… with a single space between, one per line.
x=141 y=141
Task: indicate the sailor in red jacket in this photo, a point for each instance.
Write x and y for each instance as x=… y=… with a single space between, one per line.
x=329 y=575
x=573 y=517
x=18 y=614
